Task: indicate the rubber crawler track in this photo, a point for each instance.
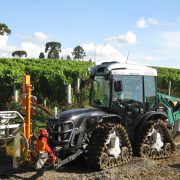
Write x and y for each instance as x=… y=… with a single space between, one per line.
x=167 y=140
x=97 y=158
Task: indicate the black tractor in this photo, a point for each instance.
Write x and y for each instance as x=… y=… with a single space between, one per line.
x=125 y=119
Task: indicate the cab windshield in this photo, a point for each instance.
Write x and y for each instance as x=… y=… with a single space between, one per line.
x=128 y=99
x=131 y=89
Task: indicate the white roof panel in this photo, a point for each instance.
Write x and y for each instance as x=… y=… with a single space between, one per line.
x=124 y=69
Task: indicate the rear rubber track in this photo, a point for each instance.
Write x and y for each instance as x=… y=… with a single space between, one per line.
x=144 y=149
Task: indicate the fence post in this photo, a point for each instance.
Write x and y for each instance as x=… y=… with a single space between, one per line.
x=69 y=95
x=15 y=94
x=55 y=111
x=169 y=88
x=16 y=97
x=78 y=84
x=45 y=102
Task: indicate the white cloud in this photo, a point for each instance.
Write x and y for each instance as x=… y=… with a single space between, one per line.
x=102 y=53
x=41 y=36
x=65 y=52
x=33 y=45
x=5 y=50
x=144 y=23
x=3 y=41
x=33 y=50
x=37 y=37
x=128 y=38
x=98 y=53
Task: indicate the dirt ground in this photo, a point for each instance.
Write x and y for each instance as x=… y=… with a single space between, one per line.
x=137 y=168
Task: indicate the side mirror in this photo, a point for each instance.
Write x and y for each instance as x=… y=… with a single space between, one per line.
x=91 y=76
x=118 y=86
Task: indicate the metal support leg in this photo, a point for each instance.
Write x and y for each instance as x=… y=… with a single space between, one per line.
x=17 y=150
x=42 y=158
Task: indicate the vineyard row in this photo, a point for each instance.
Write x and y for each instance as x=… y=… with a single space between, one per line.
x=50 y=77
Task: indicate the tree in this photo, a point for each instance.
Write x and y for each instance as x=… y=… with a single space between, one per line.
x=78 y=52
x=19 y=53
x=4 y=29
x=53 y=49
x=68 y=57
x=41 y=55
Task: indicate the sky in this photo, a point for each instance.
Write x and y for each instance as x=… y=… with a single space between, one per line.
x=137 y=31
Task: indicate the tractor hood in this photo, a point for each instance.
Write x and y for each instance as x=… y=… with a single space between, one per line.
x=76 y=114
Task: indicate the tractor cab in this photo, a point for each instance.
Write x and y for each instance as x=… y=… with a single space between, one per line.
x=126 y=89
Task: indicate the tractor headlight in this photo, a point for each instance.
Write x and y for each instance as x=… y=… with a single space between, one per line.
x=2 y=132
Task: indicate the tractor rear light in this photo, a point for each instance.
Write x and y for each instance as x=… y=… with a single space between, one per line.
x=67 y=126
x=33 y=100
x=33 y=105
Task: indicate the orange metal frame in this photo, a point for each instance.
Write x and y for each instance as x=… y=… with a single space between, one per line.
x=27 y=92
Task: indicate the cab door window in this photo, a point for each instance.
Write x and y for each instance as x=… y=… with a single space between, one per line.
x=150 y=92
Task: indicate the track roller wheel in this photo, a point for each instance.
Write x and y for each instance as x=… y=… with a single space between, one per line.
x=168 y=149
x=124 y=153
x=145 y=150
x=104 y=160
x=154 y=153
x=112 y=162
x=161 y=153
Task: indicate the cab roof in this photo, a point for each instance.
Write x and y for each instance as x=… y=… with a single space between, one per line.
x=123 y=69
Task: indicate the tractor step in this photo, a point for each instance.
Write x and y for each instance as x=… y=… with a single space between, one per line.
x=60 y=162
